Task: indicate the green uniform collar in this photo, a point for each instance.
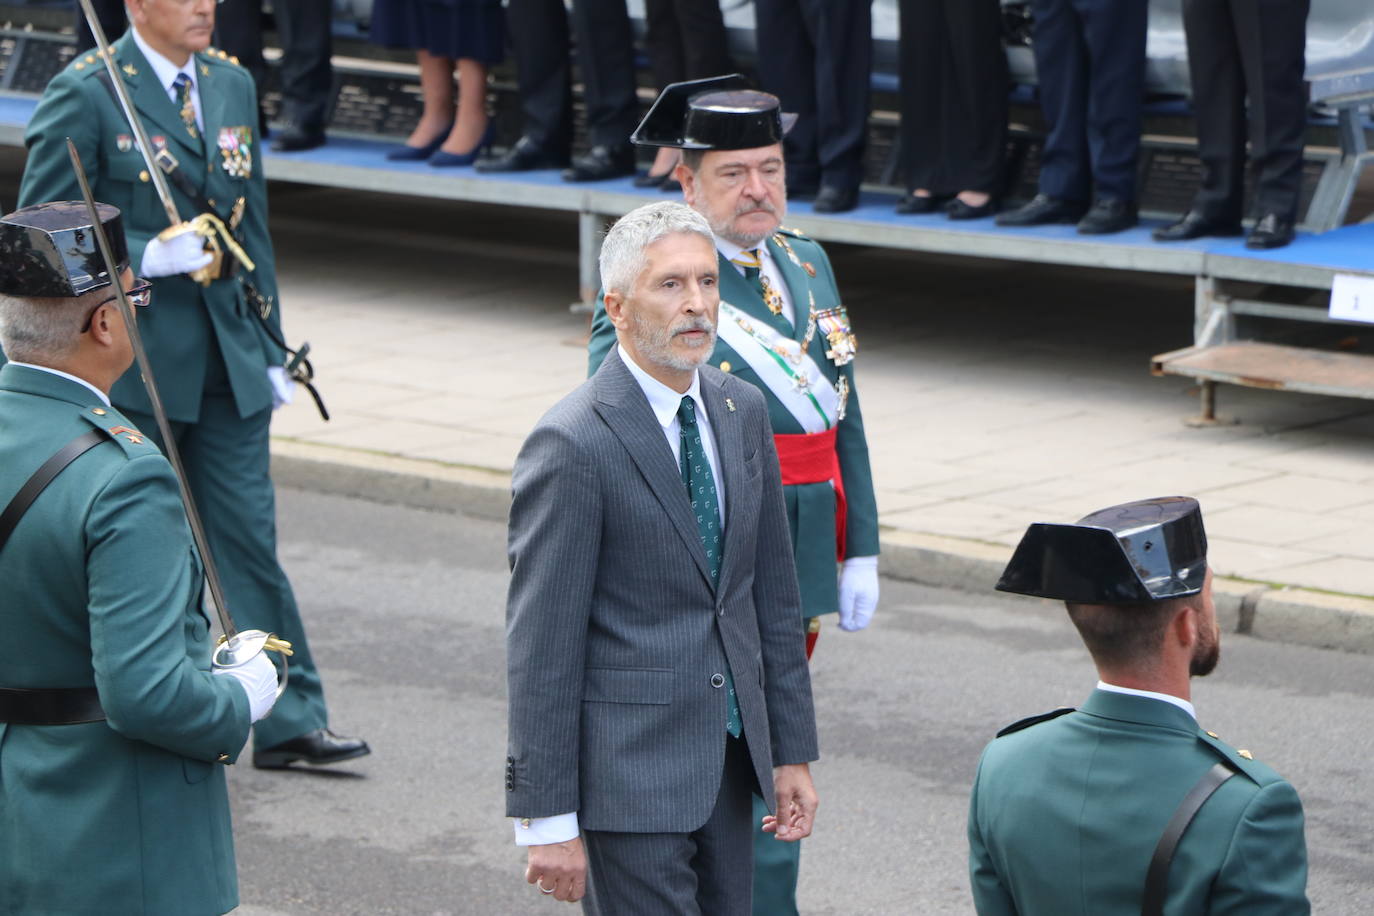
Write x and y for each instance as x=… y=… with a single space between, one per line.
x=1139 y=710
x=26 y=380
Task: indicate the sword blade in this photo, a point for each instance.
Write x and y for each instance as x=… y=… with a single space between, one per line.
x=145 y=148
x=145 y=368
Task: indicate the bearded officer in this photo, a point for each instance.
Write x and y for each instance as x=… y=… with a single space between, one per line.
x=783 y=329
x=217 y=354
x=1127 y=805
x=113 y=730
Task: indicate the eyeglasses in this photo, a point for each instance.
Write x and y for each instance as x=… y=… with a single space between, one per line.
x=140 y=294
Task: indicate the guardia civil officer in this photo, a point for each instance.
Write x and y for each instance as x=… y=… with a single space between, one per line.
x=217 y=355
x=113 y=730
x=783 y=329
x=1128 y=805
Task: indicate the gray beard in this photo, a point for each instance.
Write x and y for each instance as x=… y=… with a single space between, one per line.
x=655 y=344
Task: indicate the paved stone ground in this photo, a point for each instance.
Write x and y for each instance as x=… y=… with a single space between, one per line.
x=995 y=393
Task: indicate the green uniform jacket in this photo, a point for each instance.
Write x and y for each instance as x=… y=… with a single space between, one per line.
x=1066 y=814
x=102 y=587
x=223 y=162
x=810 y=507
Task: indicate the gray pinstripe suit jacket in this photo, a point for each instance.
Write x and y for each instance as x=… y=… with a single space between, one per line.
x=613 y=630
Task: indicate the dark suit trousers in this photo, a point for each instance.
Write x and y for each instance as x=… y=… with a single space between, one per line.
x=307 y=79
x=227 y=462
x=1239 y=49
x=954 y=95
x=685 y=40
x=112 y=23
x=1090 y=59
x=817 y=57
x=539 y=36
x=703 y=873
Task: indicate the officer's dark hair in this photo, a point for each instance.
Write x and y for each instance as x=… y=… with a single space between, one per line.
x=692 y=158
x=1123 y=635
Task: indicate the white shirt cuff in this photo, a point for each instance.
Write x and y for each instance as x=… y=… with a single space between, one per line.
x=861 y=562
x=541 y=831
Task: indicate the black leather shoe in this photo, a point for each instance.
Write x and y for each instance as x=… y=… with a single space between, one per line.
x=1043 y=210
x=1272 y=231
x=601 y=163
x=295 y=138
x=913 y=204
x=1108 y=215
x=318 y=747
x=1194 y=226
x=832 y=199
x=957 y=209
x=524 y=156
x=648 y=180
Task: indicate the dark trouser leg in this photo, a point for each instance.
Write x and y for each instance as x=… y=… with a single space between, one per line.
x=703 y=873
x=112 y=22
x=606 y=60
x=1219 y=104
x=976 y=110
x=227 y=461
x=922 y=62
x=1115 y=34
x=663 y=40
x=238 y=30
x=1273 y=44
x=307 y=78
x=842 y=37
x=787 y=68
x=1061 y=62
x=702 y=29
x=539 y=37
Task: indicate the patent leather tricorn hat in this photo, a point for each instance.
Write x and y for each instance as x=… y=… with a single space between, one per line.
x=1138 y=552
x=720 y=112
x=49 y=251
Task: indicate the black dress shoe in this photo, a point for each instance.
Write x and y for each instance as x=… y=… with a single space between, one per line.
x=927 y=204
x=295 y=138
x=524 y=156
x=1194 y=226
x=957 y=209
x=1043 y=210
x=1272 y=231
x=833 y=199
x=318 y=747
x=1108 y=215
x=601 y=163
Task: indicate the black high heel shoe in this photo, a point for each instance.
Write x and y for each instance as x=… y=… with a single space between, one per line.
x=914 y=204
x=409 y=153
x=957 y=209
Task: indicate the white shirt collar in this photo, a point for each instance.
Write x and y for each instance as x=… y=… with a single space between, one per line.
x=1167 y=698
x=663 y=400
x=165 y=70
x=80 y=381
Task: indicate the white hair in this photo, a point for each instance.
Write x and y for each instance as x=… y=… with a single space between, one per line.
x=42 y=331
x=622 y=251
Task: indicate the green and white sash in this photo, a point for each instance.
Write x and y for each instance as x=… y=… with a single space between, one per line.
x=785 y=367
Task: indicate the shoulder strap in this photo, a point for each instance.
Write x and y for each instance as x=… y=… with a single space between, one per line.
x=1156 y=879
x=44 y=476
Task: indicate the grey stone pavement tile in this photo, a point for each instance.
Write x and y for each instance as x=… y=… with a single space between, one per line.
x=995 y=394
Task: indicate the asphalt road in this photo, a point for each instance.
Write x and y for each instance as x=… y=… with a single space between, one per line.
x=405 y=610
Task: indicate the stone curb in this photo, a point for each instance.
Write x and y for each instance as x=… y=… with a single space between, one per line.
x=1276 y=613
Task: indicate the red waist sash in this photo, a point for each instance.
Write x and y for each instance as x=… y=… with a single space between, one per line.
x=811 y=458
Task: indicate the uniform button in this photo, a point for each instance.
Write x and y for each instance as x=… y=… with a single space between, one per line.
x=717 y=680
x=99 y=411
x=144 y=176
x=223 y=757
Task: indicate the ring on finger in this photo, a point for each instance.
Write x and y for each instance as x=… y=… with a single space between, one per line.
x=542 y=889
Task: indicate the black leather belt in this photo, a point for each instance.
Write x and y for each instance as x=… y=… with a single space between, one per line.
x=50 y=706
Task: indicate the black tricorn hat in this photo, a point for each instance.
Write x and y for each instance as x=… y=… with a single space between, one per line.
x=49 y=251
x=720 y=112
x=1137 y=552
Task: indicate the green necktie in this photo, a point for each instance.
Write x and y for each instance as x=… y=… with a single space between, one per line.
x=701 y=490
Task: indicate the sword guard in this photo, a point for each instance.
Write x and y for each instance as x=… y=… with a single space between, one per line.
x=248 y=644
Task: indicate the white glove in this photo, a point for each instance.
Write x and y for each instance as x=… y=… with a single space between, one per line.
x=858 y=592
x=283 y=386
x=181 y=254
x=258 y=676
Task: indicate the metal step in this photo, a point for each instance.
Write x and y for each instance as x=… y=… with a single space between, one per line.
x=1272 y=366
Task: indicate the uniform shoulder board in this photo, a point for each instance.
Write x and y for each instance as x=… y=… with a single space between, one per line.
x=118 y=427
x=1035 y=720
x=1240 y=759
x=795 y=233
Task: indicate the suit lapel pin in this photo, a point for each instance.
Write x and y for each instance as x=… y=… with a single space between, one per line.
x=730 y=404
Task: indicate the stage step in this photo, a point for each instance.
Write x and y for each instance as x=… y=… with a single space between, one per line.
x=1280 y=368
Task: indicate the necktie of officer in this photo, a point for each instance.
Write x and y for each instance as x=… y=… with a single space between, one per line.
x=701 y=490
x=751 y=259
x=182 y=85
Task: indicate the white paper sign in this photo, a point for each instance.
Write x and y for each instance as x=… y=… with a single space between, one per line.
x=1352 y=298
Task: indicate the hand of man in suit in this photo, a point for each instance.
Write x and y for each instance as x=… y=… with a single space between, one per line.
x=796 y=802
x=560 y=866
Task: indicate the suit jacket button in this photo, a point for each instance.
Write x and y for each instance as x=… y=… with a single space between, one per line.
x=717 y=680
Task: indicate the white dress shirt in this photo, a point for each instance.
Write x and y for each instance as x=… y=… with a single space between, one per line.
x=166 y=73
x=664 y=402
x=1167 y=698
x=768 y=267
x=66 y=375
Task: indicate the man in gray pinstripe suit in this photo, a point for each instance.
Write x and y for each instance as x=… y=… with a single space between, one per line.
x=656 y=658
